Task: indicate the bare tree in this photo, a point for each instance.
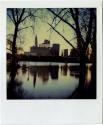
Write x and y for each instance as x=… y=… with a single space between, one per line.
x=83 y=24
x=18 y=16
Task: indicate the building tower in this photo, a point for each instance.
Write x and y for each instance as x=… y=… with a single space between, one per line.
x=55 y=49
x=36 y=41
x=65 y=52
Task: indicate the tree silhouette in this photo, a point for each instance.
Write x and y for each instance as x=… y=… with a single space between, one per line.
x=18 y=16
x=83 y=24
x=19 y=41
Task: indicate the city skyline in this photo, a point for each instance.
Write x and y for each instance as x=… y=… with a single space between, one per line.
x=42 y=31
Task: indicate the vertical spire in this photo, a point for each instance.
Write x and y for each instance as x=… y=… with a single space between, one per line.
x=36 y=41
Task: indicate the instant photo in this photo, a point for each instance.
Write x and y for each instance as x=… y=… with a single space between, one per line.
x=51 y=53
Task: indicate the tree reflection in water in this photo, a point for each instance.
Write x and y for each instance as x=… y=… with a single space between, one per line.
x=87 y=82
x=74 y=70
x=14 y=90
x=64 y=69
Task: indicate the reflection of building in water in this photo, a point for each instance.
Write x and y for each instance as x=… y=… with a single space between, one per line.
x=28 y=74
x=43 y=49
x=34 y=80
x=74 y=71
x=24 y=69
x=40 y=71
x=43 y=72
x=64 y=70
x=54 y=71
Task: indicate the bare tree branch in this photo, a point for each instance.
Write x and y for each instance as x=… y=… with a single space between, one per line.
x=58 y=21
x=11 y=18
x=58 y=14
x=61 y=19
x=72 y=13
x=23 y=10
x=24 y=18
x=16 y=11
x=75 y=15
x=85 y=26
x=73 y=38
x=9 y=49
x=25 y=28
x=62 y=36
x=88 y=37
x=13 y=15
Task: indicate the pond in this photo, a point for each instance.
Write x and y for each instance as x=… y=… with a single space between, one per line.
x=48 y=80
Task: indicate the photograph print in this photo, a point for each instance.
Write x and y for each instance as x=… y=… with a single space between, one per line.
x=51 y=53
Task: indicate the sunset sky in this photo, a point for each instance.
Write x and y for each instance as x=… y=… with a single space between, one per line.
x=41 y=30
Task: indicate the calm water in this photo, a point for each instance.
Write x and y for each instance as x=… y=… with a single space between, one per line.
x=35 y=80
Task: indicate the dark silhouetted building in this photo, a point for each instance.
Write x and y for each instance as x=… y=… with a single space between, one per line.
x=73 y=53
x=65 y=52
x=45 y=44
x=39 y=51
x=36 y=41
x=43 y=49
x=55 y=49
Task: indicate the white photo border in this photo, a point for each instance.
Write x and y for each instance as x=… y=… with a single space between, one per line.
x=23 y=112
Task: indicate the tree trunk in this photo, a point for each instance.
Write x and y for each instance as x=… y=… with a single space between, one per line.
x=14 y=46
x=82 y=74
x=13 y=65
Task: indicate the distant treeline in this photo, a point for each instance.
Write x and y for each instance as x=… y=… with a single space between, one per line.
x=47 y=58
